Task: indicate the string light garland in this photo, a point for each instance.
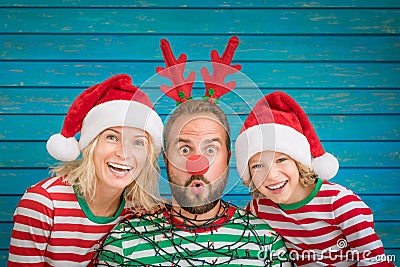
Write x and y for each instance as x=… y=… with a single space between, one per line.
x=191 y=242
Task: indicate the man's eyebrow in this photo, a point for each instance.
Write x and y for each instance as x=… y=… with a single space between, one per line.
x=206 y=141
x=210 y=140
x=182 y=140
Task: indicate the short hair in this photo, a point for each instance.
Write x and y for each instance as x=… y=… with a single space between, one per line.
x=307 y=177
x=142 y=193
x=197 y=107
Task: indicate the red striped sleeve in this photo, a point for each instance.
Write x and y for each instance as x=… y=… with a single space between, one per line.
x=52 y=229
x=355 y=219
x=33 y=220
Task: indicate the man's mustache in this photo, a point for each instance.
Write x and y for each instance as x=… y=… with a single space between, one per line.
x=196 y=178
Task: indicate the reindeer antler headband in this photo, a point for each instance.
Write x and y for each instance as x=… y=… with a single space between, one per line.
x=181 y=88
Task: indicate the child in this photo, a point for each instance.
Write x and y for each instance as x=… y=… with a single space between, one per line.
x=322 y=223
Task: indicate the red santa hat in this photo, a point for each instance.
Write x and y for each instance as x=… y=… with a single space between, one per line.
x=279 y=124
x=114 y=102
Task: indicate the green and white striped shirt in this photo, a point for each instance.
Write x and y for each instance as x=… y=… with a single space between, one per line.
x=235 y=239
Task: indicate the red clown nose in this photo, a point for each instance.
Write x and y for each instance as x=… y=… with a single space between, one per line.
x=197 y=165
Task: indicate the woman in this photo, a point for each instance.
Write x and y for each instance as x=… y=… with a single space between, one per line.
x=60 y=220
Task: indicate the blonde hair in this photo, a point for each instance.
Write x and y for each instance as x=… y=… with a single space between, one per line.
x=307 y=177
x=141 y=193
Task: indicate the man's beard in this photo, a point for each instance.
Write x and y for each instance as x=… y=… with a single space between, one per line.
x=198 y=203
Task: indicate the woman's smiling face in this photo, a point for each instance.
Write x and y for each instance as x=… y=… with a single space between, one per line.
x=119 y=156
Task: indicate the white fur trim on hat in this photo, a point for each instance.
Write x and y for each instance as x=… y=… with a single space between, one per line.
x=274 y=137
x=62 y=148
x=325 y=166
x=121 y=113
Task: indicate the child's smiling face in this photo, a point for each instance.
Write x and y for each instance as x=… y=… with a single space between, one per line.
x=276 y=176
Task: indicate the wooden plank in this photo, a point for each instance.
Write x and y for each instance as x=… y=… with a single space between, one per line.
x=103 y=47
x=365 y=154
x=389 y=234
x=32 y=100
x=5 y=235
x=3 y=257
x=328 y=127
x=9 y=204
x=365 y=181
x=37 y=101
x=18 y=180
x=254 y=74
x=205 y=4
x=349 y=154
x=237 y=21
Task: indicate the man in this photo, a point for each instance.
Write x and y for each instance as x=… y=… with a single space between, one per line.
x=197 y=228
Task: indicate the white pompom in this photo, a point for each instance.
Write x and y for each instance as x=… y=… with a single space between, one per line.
x=325 y=166
x=62 y=148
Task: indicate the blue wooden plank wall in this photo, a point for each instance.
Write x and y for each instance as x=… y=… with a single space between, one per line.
x=339 y=59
